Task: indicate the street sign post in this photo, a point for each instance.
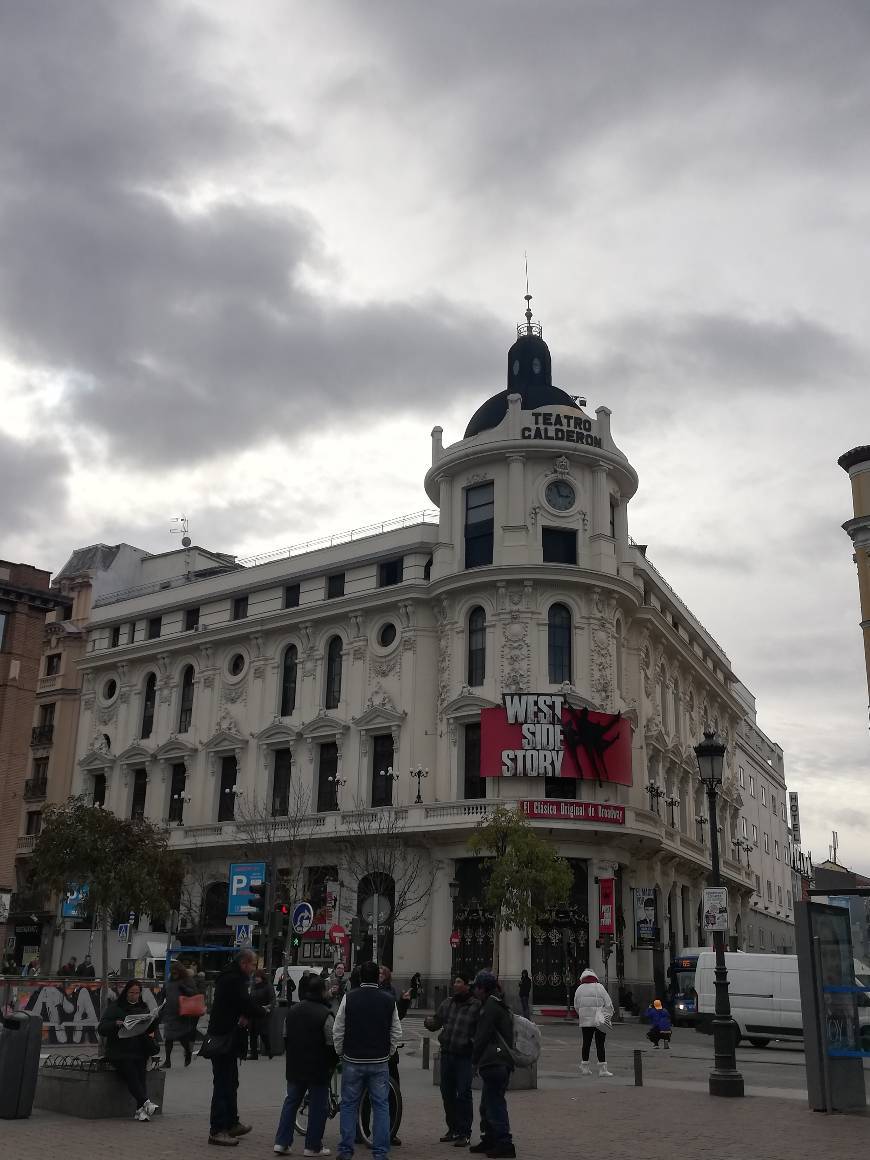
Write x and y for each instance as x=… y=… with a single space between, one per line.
x=336 y=934
x=123 y=931
x=243 y=935
x=302 y=916
x=243 y=875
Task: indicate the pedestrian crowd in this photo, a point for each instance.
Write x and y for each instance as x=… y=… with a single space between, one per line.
x=352 y=1024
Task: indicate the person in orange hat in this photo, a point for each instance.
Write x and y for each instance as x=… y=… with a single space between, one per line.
x=660 y=1025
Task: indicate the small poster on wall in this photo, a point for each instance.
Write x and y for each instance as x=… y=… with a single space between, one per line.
x=646 y=927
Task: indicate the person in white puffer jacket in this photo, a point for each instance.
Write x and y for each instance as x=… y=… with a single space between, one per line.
x=594 y=1009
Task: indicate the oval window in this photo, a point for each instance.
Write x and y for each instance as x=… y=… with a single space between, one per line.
x=387 y=635
x=237 y=665
x=110 y=689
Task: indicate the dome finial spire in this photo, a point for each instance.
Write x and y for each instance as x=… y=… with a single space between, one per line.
x=527 y=295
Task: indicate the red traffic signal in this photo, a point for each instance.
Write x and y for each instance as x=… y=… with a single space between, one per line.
x=282 y=908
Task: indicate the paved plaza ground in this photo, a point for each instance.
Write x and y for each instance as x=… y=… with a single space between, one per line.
x=671 y=1116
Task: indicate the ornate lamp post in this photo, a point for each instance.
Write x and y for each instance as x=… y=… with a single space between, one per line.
x=725 y=1079
x=419 y=773
x=655 y=794
x=336 y=782
x=389 y=777
x=673 y=803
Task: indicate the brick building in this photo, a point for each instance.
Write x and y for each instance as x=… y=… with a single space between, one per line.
x=24 y=601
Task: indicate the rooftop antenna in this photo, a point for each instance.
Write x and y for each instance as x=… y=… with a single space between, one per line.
x=181 y=527
x=834 y=846
x=527 y=295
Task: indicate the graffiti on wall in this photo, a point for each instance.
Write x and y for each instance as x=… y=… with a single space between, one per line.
x=69 y=1011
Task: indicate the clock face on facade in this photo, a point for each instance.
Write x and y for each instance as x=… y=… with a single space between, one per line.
x=560 y=495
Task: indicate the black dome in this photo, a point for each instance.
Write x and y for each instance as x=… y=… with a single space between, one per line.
x=529 y=374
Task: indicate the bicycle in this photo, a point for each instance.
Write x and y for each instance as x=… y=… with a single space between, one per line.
x=364 y=1119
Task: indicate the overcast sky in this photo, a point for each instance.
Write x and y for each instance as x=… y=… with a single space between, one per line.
x=251 y=253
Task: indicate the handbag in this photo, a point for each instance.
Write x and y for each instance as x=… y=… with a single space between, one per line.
x=213 y=1046
x=603 y=1019
x=191 y=1006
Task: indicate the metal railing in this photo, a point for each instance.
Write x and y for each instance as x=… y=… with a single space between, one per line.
x=41 y=734
x=35 y=788
x=676 y=596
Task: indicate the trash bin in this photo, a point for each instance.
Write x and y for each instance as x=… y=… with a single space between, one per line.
x=20 y=1044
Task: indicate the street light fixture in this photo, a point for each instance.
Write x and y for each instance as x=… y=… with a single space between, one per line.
x=725 y=1079
x=419 y=773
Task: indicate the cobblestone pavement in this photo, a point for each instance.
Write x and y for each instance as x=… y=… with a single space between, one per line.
x=573 y=1116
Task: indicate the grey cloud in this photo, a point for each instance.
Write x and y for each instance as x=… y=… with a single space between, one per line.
x=32 y=490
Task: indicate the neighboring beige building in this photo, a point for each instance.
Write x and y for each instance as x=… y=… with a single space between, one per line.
x=343 y=666
x=857 y=463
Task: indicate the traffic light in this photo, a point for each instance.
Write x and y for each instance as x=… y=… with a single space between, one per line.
x=282 y=917
x=256 y=908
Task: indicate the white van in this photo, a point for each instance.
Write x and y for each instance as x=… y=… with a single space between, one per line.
x=764 y=993
x=294 y=973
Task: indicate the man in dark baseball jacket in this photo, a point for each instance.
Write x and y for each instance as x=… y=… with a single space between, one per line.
x=366 y=1032
x=232 y=1010
x=456 y=1019
x=490 y=1055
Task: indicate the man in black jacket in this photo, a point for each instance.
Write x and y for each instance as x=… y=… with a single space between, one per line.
x=310 y=1060
x=456 y=1019
x=490 y=1055
x=366 y=1033
x=232 y=1010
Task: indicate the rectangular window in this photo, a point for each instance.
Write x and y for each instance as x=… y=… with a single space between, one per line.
x=390 y=572
x=758 y=884
x=560 y=787
x=751 y=786
x=474 y=786
x=755 y=834
x=741 y=777
x=779 y=896
x=177 y=787
x=767 y=843
x=52 y=664
x=34 y=822
x=227 y=798
x=4 y=616
x=788 y=900
x=773 y=802
x=769 y=891
x=191 y=619
x=155 y=624
x=140 y=789
x=335 y=585
x=131 y=632
x=99 y=790
x=761 y=937
x=281 y=783
x=327 y=773
x=115 y=636
x=613 y=521
x=560 y=546
x=479 y=524
x=291 y=596
x=776 y=850
x=40 y=770
x=744 y=828
x=240 y=607
x=382 y=769
x=764 y=795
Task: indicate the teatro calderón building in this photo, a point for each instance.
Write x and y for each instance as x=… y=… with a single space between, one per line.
x=348 y=681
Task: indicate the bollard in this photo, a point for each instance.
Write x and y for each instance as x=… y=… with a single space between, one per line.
x=426 y=1053
x=638 y=1068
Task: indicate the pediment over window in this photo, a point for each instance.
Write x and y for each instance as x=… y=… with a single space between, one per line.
x=135 y=754
x=223 y=740
x=467 y=705
x=97 y=762
x=378 y=717
x=324 y=725
x=654 y=736
x=174 y=747
x=276 y=734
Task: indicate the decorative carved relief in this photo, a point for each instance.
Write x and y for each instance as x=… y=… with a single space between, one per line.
x=208 y=680
x=226 y=723
x=409 y=642
x=358 y=652
x=601 y=664
x=206 y=656
x=163 y=664
x=355 y=622
x=258 y=671
x=515 y=650
x=383 y=666
x=407 y=613
x=257 y=641
x=534 y=512
x=106 y=713
x=443 y=665
x=477 y=477
x=235 y=693
x=562 y=466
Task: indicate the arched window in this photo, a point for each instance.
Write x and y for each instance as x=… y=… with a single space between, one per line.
x=619 y=676
x=185 y=709
x=663 y=697
x=333 y=673
x=148 y=702
x=288 y=681
x=476 y=647
x=559 y=644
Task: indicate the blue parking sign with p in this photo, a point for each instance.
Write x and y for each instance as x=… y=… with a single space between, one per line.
x=243 y=875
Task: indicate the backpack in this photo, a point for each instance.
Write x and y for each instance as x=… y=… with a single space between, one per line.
x=526 y=1046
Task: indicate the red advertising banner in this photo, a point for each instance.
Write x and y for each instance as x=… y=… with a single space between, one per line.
x=555 y=810
x=606 y=918
x=541 y=735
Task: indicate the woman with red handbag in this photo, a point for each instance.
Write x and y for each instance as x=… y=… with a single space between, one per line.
x=184 y=1005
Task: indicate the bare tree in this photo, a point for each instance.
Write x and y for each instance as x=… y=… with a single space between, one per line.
x=379 y=857
x=280 y=840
